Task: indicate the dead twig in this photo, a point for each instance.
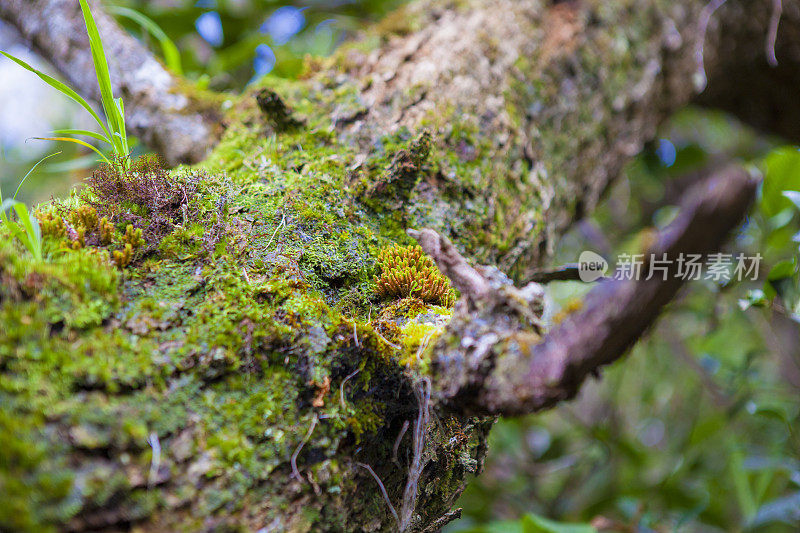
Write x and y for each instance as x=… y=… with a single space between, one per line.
x=397 y=442
x=440 y=522
x=422 y=390
x=295 y=471
x=341 y=388
x=383 y=491
x=772 y=33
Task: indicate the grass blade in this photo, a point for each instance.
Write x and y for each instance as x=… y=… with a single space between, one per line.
x=172 y=55
x=33 y=234
x=5 y=205
x=20 y=230
x=61 y=87
x=123 y=132
x=76 y=141
x=28 y=174
x=115 y=122
x=88 y=133
x=36 y=236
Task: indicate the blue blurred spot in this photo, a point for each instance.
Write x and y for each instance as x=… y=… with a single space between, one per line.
x=206 y=4
x=264 y=61
x=284 y=24
x=709 y=364
x=666 y=152
x=209 y=26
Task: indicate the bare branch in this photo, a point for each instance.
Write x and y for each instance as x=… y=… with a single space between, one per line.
x=157 y=111
x=492 y=359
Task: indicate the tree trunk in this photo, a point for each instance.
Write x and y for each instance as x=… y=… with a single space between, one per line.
x=246 y=369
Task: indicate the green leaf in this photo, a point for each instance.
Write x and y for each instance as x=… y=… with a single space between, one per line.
x=532 y=523
x=76 y=141
x=31 y=238
x=5 y=205
x=63 y=88
x=172 y=55
x=782 y=174
x=741 y=483
x=29 y=173
x=87 y=133
x=116 y=124
x=782 y=270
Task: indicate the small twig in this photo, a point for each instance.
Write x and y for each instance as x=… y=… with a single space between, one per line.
x=452 y=264
x=381 y=337
x=383 y=491
x=772 y=34
x=246 y=277
x=295 y=471
x=422 y=390
x=313 y=483
x=569 y=272
x=155 y=462
x=442 y=521
x=341 y=389
x=283 y=220
x=397 y=442
x=355 y=333
x=705 y=19
x=422 y=346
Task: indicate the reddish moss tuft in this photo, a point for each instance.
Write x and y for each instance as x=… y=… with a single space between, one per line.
x=144 y=195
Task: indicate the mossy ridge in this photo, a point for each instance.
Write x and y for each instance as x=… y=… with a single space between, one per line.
x=269 y=284
x=184 y=342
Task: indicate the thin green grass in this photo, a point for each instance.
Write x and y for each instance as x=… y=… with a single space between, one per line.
x=113 y=131
x=172 y=56
x=27 y=229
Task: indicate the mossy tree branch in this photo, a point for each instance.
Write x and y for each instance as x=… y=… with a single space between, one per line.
x=492 y=363
x=495 y=123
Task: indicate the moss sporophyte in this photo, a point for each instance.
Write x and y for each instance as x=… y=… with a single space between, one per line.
x=407 y=271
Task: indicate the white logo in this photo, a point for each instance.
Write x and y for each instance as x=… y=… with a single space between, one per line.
x=591 y=266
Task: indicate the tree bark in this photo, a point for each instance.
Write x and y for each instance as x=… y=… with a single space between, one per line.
x=243 y=368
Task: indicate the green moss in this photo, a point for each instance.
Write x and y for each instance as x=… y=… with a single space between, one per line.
x=215 y=342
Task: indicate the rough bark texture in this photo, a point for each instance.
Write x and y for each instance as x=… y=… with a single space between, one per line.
x=158 y=111
x=241 y=367
x=492 y=359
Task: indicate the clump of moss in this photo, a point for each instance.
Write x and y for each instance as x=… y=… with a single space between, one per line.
x=405 y=170
x=52 y=225
x=276 y=110
x=143 y=194
x=407 y=271
x=87 y=227
x=132 y=240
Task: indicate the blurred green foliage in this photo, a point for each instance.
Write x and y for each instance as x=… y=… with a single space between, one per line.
x=696 y=430
x=229 y=60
